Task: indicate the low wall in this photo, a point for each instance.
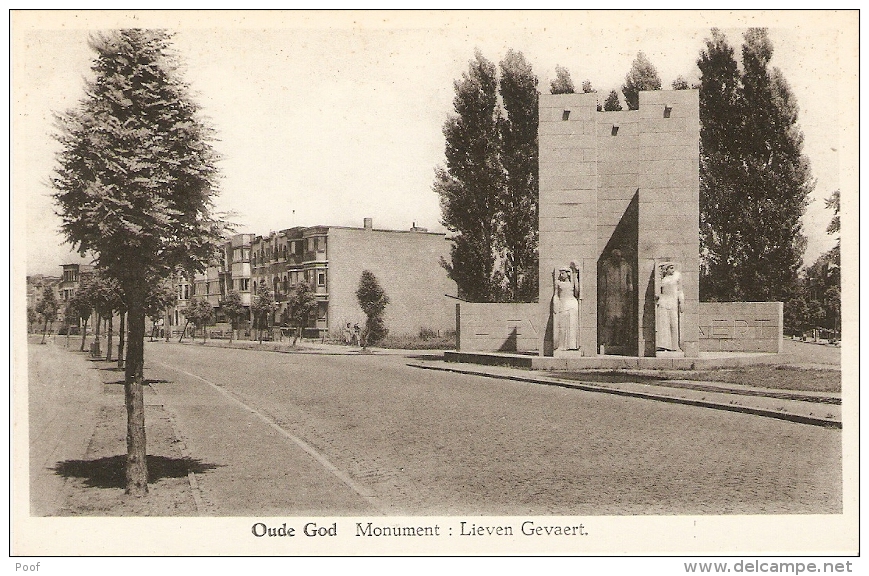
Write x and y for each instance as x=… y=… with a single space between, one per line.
x=496 y=327
x=741 y=327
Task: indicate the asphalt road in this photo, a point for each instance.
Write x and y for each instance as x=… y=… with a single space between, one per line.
x=347 y=435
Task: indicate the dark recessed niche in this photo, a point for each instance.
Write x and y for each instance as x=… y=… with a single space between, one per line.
x=565 y=115
x=615 y=129
x=667 y=110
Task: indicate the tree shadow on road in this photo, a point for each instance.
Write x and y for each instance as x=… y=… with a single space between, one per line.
x=108 y=472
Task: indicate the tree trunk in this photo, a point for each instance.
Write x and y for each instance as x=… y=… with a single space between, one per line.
x=84 y=331
x=121 y=336
x=111 y=322
x=168 y=324
x=186 y=323
x=137 y=466
x=44 y=330
x=98 y=322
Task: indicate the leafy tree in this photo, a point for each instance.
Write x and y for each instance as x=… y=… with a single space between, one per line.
x=262 y=306
x=47 y=308
x=519 y=198
x=373 y=300
x=832 y=203
x=820 y=283
x=470 y=185
x=32 y=318
x=233 y=308
x=199 y=312
x=680 y=84
x=754 y=178
x=720 y=169
x=562 y=83
x=301 y=304
x=104 y=295
x=161 y=297
x=778 y=178
x=587 y=89
x=612 y=104
x=81 y=304
x=135 y=177
x=642 y=76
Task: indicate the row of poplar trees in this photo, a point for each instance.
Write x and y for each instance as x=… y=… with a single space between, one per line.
x=489 y=186
x=754 y=178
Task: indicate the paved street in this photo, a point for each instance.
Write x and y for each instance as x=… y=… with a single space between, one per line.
x=342 y=435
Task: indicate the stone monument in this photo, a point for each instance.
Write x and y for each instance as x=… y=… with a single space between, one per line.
x=619 y=193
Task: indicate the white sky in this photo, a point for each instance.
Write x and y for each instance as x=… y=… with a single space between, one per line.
x=326 y=119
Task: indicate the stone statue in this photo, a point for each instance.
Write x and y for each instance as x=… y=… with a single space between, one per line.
x=617 y=295
x=565 y=308
x=668 y=305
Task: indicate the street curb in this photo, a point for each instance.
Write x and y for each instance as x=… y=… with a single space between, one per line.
x=590 y=387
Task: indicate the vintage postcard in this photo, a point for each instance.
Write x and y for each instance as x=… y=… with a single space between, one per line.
x=440 y=283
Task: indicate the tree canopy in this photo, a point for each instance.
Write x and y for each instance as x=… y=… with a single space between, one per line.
x=200 y=313
x=47 y=308
x=562 y=83
x=301 y=304
x=471 y=182
x=134 y=182
x=373 y=300
x=262 y=306
x=612 y=104
x=754 y=179
x=489 y=186
x=642 y=76
x=233 y=309
x=519 y=198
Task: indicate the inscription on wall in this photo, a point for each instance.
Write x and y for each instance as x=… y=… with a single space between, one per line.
x=740 y=326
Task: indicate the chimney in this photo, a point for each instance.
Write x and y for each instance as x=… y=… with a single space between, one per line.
x=367 y=223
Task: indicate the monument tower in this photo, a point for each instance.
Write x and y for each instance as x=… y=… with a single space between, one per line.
x=619 y=217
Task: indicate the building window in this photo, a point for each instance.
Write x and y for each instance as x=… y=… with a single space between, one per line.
x=321 y=278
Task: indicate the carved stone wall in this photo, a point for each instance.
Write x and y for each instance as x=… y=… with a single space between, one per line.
x=741 y=327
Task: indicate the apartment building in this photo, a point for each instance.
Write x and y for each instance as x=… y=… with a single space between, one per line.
x=331 y=260
x=231 y=271
x=73 y=274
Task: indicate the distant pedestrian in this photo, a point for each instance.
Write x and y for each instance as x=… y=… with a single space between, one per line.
x=347 y=336
x=357 y=334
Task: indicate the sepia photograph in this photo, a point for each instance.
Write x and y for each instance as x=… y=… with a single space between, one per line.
x=428 y=283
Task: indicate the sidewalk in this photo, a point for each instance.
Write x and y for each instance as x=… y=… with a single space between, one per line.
x=819 y=409
x=78 y=440
x=65 y=395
